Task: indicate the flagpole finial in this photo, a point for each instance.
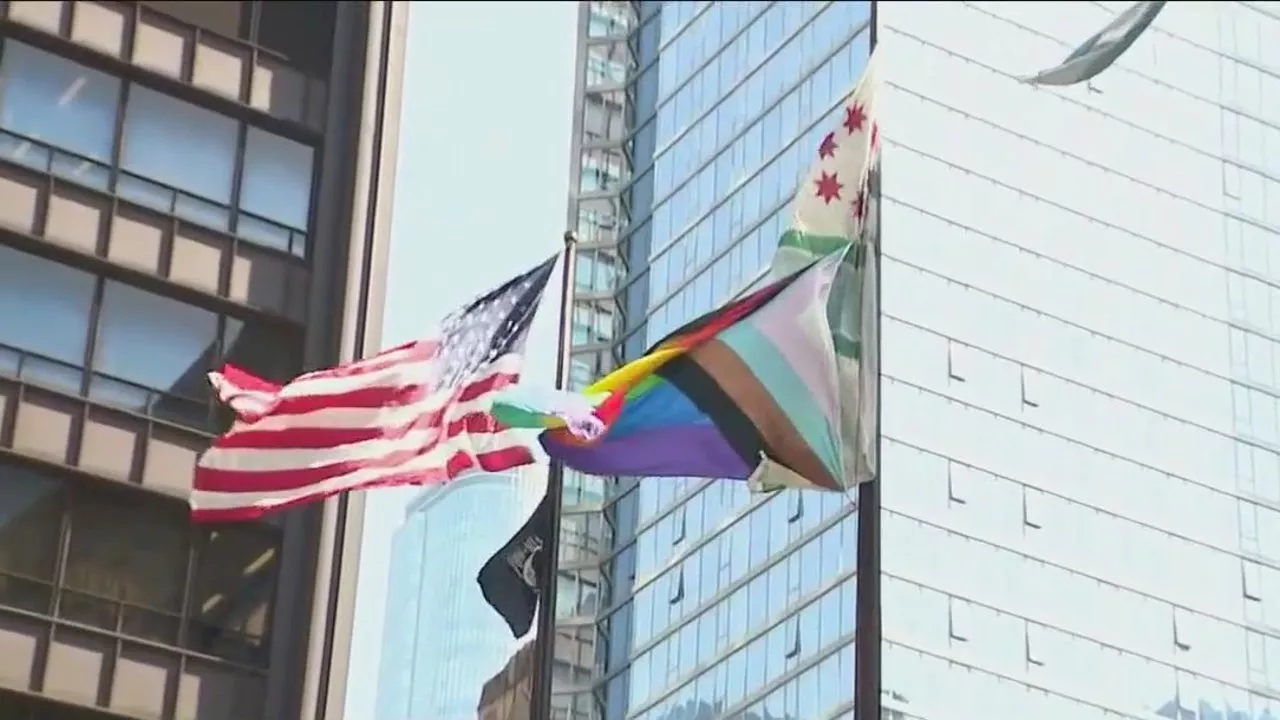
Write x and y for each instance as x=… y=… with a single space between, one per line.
x=570 y=238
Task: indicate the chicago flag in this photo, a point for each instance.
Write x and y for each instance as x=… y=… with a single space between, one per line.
x=837 y=206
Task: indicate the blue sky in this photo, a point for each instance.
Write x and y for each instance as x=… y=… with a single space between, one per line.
x=481 y=194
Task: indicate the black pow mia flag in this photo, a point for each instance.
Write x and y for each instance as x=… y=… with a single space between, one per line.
x=510 y=580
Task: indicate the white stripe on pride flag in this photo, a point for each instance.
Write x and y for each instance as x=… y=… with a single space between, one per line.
x=377 y=425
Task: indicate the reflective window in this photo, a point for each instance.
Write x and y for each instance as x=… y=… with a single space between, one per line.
x=126 y=565
x=49 y=311
x=276 y=185
x=601 y=171
x=597 y=272
x=267 y=350
x=128 y=555
x=175 y=157
x=182 y=148
x=608 y=19
x=31 y=510
x=53 y=100
x=46 y=309
x=731 y=604
x=132 y=368
x=233 y=589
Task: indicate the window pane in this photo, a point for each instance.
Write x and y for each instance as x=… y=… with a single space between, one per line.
x=301 y=33
x=126 y=564
x=277 y=178
x=30 y=522
x=45 y=307
x=268 y=351
x=57 y=101
x=234 y=580
x=179 y=144
x=158 y=344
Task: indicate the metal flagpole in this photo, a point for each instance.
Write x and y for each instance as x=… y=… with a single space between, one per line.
x=866 y=651
x=544 y=657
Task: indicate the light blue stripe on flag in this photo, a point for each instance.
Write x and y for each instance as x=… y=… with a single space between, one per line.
x=786 y=387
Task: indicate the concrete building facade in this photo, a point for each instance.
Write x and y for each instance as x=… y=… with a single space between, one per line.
x=181 y=185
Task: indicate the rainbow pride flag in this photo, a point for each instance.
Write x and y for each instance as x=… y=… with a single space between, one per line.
x=749 y=391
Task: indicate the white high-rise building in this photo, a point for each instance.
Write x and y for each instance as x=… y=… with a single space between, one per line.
x=1081 y=487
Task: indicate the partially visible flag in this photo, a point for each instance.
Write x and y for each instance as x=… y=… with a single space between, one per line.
x=411 y=415
x=836 y=207
x=830 y=208
x=748 y=386
x=1102 y=49
x=510 y=580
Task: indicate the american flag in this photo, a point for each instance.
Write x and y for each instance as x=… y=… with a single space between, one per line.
x=415 y=414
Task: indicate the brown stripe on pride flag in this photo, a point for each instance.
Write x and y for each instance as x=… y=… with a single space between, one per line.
x=742 y=395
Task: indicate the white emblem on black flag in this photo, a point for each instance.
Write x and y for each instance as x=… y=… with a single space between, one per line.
x=524 y=558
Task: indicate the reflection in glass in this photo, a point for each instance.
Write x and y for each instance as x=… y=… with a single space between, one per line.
x=276 y=183
x=45 y=307
x=179 y=144
x=234 y=582
x=717 y=603
x=54 y=100
x=125 y=566
x=148 y=344
x=441 y=640
x=127 y=561
x=31 y=509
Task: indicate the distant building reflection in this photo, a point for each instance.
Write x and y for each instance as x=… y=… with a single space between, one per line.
x=440 y=639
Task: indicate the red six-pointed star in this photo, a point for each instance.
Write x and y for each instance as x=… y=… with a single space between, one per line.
x=828 y=187
x=828 y=146
x=860 y=204
x=854 y=118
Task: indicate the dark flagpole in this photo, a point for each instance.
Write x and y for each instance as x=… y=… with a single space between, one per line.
x=866 y=651
x=545 y=650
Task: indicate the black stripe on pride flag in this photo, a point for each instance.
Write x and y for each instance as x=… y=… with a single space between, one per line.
x=721 y=385
x=706 y=394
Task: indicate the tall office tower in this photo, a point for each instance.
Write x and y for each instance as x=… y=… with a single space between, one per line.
x=181 y=185
x=697 y=118
x=441 y=641
x=1081 y=488
x=1081 y=499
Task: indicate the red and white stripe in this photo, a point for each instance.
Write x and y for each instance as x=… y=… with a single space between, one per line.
x=378 y=422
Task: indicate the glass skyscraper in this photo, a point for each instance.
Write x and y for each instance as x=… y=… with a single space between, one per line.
x=1080 y=333
x=441 y=640
x=697 y=120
